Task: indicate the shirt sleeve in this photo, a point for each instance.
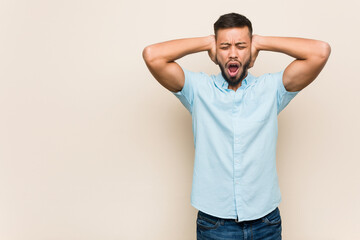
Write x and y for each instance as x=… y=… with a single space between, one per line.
x=187 y=93
x=283 y=96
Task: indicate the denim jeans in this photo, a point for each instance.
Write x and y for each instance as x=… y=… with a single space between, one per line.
x=213 y=228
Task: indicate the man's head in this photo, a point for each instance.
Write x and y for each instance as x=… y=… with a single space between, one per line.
x=233 y=33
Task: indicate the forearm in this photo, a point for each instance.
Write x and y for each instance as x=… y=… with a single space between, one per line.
x=310 y=57
x=172 y=50
x=299 y=48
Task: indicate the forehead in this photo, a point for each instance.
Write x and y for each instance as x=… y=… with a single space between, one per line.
x=233 y=35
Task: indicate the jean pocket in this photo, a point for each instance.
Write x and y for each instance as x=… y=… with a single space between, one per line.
x=273 y=218
x=206 y=223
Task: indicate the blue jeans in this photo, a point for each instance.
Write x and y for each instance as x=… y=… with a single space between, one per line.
x=209 y=227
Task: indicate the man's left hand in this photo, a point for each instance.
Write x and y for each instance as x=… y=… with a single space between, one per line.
x=254 y=50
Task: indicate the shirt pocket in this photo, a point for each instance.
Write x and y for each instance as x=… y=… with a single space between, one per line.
x=257 y=109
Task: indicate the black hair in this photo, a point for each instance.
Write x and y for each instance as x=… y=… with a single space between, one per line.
x=232 y=20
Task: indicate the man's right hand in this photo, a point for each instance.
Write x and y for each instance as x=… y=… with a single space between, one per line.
x=160 y=59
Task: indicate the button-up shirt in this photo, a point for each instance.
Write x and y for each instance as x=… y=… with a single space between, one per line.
x=235 y=136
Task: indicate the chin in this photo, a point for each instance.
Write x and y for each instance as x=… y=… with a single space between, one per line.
x=234 y=81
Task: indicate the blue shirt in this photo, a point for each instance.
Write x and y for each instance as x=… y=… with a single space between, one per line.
x=235 y=136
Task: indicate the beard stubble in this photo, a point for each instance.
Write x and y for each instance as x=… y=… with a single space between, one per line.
x=235 y=81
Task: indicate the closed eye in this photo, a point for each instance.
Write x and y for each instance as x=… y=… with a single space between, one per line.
x=239 y=45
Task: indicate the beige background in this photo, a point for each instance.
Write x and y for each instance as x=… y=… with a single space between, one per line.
x=92 y=147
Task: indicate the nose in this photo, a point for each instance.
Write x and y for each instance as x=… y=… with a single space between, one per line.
x=232 y=53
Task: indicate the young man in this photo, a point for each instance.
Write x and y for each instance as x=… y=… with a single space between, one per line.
x=234 y=118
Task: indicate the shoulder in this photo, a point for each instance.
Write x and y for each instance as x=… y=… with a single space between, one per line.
x=269 y=80
x=266 y=83
x=198 y=78
x=275 y=76
x=197 y=75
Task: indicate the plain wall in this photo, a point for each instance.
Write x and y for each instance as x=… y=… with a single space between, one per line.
x=93 y=147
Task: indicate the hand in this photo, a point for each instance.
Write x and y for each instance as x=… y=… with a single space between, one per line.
x=212 y=50
x=254 y=50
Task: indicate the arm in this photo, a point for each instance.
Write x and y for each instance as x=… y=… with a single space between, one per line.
x=160 y=59
x=311 y=56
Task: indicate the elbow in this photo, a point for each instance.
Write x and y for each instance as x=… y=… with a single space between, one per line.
x=151 y=55
x=147 y=55
x=324 y=50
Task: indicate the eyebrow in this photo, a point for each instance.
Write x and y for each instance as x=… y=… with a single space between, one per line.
x=238 y=43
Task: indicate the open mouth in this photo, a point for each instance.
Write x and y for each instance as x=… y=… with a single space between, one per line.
x=233 y=69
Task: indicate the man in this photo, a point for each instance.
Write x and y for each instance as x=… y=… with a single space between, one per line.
x=234 y=119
